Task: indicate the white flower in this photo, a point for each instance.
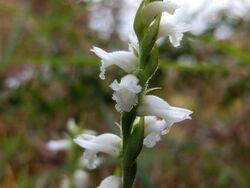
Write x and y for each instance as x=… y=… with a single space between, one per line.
x=151 y=10
x=154 y=106
x=126 y=60
x=80 y=179
x=174 y=32
x=110 y=182
x=58 y=145
x=126 y=93
x=154 y=128
x=106 y=143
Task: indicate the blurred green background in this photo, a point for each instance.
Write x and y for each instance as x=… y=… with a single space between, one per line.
x=48 y=76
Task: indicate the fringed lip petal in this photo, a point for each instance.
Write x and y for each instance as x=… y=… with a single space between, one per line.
x=125 y=93
x=153 y=130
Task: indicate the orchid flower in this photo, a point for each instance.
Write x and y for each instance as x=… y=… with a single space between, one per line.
x=106 y=143
x=173 y=31
x=126 y=60
x=155 y=106
x=126 y=93
x=155 y=8
x=110 y=182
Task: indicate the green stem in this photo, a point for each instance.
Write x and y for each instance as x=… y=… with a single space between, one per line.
x=129 y=176
x=126 y=123
x=132 y=145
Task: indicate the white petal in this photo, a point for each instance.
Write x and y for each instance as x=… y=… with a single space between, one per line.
x=126 y=93
x=110 y=182
x=126 y=60
x=90 y=159
x=106 y=143
x=153 y=130
x=152 y=124
x=153 y=9
x=154 y=106
x=175 y=32
x=151 y=139
x=58 y=145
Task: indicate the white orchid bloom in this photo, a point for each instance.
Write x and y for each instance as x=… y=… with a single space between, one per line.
x=106 y=143
x=155 y=106
x=58 y=145
x=126 y=60
x=126 y=93
x=155 y=8
x=153 y=131
x=174 y=32
x=110 y=182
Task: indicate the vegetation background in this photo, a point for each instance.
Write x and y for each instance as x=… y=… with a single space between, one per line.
x=48 y=75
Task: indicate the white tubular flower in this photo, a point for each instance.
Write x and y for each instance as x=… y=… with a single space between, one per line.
x=154 y=128
x=58 y=145
x=174 y=32
x=110 y=182
x=106 y=143
x=126 y=93
x=154 y=106
x=151 y=10
x=126 y=60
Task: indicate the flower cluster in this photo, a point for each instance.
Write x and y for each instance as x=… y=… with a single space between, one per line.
x=144 y=118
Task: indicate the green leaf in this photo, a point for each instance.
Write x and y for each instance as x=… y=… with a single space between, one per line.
x=132 y=150
x=129 y=176
x=127 y=122
x=152 y=89
x=139 y=26
x=134 y=145
x=150 y=67
x=148 y=42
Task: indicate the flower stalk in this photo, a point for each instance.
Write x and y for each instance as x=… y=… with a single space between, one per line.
x=144 y=118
